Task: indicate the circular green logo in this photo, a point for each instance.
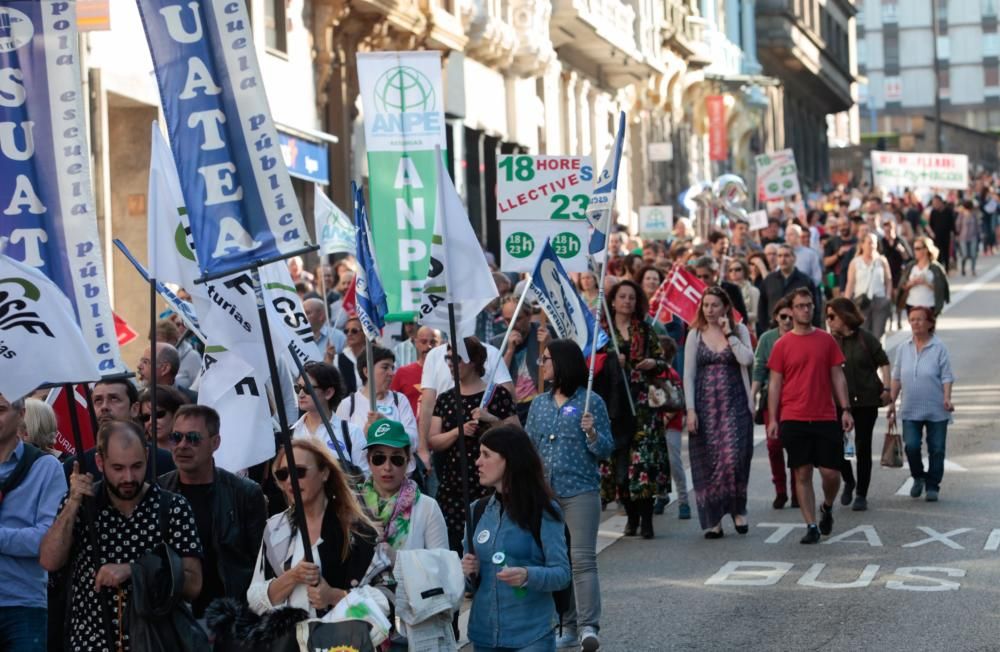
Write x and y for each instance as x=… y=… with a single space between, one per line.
x=566 y=245
x=404 y=89
x=520 y=244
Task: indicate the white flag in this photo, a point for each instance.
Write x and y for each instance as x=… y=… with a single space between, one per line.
x=334 y=229
x=40 y=341
x=459 y=273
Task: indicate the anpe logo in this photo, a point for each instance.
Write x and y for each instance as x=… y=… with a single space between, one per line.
x=14 y=307
x=15 y=29
x=382 y=430
x=405 y=103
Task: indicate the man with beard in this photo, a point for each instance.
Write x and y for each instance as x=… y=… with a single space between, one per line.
x=125 y=527
x=228 y=510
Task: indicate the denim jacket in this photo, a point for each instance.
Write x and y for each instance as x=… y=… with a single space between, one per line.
x=500 y=618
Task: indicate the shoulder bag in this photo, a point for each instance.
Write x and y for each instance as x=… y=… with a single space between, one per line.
x=892 y=448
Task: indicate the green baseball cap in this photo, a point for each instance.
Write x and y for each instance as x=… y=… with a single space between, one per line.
x=386 y=432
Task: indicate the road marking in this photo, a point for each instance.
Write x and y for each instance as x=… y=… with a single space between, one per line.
x=811 y=578
x=913 y=573
x=943 y=538
x=904 y=489
x=749 y=573
x=782 y=530
x=871 y=536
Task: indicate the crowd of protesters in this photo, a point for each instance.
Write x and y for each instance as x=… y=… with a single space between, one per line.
x=788 y=334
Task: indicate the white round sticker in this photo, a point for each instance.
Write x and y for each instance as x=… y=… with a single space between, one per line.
x=483 y=537
x=499 y=558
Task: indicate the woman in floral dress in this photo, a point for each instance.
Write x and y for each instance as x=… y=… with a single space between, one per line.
x=638 y=469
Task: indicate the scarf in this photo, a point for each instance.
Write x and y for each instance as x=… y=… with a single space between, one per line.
x=394 y=513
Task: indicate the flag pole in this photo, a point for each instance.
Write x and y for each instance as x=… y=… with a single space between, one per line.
x=614 y=342
x=597 y=314
x=488 y=394
x=285 y=435
x=460 y=414
x=369 y=358
x=152 y=379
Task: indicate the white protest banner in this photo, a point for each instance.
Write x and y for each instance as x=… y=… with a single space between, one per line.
x=656 y=222
x=334 y=229
x=543 y=187
x=521 y=243
x=757 y=220
x=898 y=170
x=777 y=175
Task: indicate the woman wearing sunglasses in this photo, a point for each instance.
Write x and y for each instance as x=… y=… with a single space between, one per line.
x=758 y=389
x=325 y=380
x=864 y=359
x=519 y=554
x=342 y=537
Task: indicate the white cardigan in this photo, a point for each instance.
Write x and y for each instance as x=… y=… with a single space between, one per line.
x=741 y=349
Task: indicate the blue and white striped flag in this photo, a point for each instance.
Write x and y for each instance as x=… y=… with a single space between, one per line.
x=602 y=200
x=568 y=313
x=372 y=305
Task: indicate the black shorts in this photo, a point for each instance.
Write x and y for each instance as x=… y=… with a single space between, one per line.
x=819 y=443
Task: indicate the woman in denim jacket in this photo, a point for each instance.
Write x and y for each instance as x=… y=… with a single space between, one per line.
x=521 y=541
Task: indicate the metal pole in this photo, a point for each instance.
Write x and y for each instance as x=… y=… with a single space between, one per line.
x=614 y=342
x=460 y=414
x=597 y=316
x=285 y=435
x=937 y=81
x=370 y=359
x=152 y=380
x=503 y=346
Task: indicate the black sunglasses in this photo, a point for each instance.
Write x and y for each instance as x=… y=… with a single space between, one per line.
x=298 y=389
x=193 y=438
x=282 y=474
x=159 y=415
x=352 y=331
x=378 y=459
x=784 y=317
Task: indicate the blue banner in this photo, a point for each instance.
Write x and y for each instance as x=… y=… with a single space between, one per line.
x=235 y=183
x=305 y=159
x=372 y=306
x=568 y=313
x=602 y=201
x=45 y=191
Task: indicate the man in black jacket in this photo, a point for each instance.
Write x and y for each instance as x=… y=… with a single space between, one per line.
x=780 y=282
x=229 y=511
x=706 y=269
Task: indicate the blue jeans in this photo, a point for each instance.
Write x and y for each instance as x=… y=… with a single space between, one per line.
x=23 y=629
x=544 y=644
x=912 y=440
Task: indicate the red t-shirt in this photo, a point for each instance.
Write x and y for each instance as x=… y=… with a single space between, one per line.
x=804 y=361
x=407 y=382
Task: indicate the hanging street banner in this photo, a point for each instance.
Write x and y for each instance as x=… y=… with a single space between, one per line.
x=521 y=244
x=404 y=121
x=334 y=229
x=777 y=176
x=718 y=143
x=898 y=170
x=236 y=186
x=42 y=343
x=45 y=190
x=656 y=222
x=544 y=187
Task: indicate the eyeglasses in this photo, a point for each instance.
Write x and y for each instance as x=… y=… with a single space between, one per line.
x=378 y=459
x=193 y=438
x=802 y=306
x=784 y=317
x=159 y=415
x=282 y=474
x=352 y=331
x=542 y=360
x=299 y=388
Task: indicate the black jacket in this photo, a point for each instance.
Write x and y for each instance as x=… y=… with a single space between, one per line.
x=777 y=286
x=736 y=298
x=239 y=512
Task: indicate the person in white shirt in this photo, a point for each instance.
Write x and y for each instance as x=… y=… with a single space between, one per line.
x=388 y=404
x=325 y=379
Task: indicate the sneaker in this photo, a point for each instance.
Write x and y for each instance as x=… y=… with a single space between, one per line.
x=917 y=488
x=780 y=501
x=932 y=495
x=860 y=504
x=588 y=639
x=826 y=519
x=848 y=495
x=684 y=512
x=660 y=503
x=568 y=638
x=812 y=535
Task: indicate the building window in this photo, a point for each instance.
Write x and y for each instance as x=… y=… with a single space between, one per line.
x=888 y=11
x=890 y=43
x=989 y=8
x=941 y=10
x=944 y=81
x=991 y=44
x=991 y=75
x=943 y=48
x=275 y=25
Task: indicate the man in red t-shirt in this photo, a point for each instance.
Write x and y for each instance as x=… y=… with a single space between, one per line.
x=407 y=378
x=806 y=377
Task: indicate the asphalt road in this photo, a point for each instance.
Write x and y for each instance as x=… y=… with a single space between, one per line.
x=906 y=575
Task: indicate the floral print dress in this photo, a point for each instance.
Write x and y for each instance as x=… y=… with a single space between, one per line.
x=641 y=471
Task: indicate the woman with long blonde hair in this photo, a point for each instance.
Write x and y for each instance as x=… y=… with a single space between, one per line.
x=341 y=535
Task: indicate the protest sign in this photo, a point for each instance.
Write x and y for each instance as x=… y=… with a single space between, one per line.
x=544 y=187
x=404 y=121
x=241 y=203
x=45 y=185
x=521 y=244
x=777 y=175
x=757 y=220
x=898 y=170
x=656 y=222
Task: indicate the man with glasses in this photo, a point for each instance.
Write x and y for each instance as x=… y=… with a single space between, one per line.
x=806 y=375
x=347 y=360
x=229 y=511
x=758 y=389
x=781 y=282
